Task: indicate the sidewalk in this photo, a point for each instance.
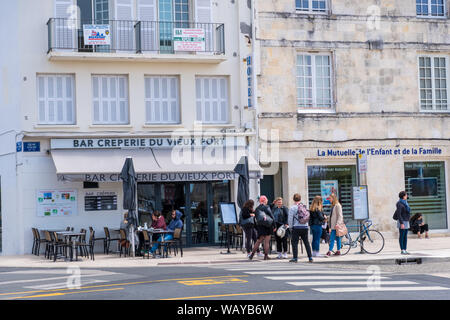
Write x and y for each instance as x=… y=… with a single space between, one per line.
x=428 y=249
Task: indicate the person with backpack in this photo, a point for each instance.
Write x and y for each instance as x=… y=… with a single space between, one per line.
x=281 y=214
x=298 y=223
x=316 y=221
x=336 y=218
x=265 y=225
x=247 y=222
x=402 y=215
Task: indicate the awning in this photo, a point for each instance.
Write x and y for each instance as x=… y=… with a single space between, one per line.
x=151 y=165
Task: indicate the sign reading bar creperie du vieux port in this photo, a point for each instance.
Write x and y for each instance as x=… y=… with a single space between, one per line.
x=115 y=143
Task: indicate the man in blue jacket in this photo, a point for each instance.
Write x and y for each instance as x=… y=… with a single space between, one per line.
x=176 y=223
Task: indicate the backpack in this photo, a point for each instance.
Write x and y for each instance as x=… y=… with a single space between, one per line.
x=302 y=214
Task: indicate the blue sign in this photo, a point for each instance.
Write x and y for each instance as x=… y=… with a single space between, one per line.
x=31 y=146
x=19 y=146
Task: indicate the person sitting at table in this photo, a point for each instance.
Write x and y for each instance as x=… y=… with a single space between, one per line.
x=176 y=223
x=158 y=222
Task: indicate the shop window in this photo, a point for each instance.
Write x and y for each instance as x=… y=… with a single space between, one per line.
x=425 y=186
x=56 y=99
x=322 y=180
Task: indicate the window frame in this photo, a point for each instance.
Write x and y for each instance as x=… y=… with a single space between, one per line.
x=430 y=16
x=310 y=8
x=45 y=76
x=314 y=108
x=117 y=99
x=149 y=99
x=433 y=92
x=227 y=105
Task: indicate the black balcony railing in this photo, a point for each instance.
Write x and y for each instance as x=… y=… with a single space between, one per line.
x=131 y=36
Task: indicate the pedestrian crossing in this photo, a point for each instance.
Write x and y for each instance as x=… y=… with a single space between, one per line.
x=325 y=279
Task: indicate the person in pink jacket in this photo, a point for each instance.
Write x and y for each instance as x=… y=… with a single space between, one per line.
x=336 y=217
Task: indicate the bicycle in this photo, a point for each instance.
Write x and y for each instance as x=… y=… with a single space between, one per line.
x=371 y=240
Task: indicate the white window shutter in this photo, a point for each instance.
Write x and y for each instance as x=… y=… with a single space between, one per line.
x=124 y=35
x=212 y=99
x=161 y=100
x=147 y=15
x=63 y=30
x=110 y=99
x=203 y=17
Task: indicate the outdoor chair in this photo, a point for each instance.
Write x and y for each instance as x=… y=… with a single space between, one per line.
x=87 y=247
x=146 y=243
x=80 y=244
x=238 y=236
x=108 y=239
x=91 y=230
x=61 y=245
x=37 y=241
x=124 y=244
x=177 y=241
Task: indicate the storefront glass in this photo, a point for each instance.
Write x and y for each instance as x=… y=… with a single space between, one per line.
x=322 y=180
x=425 y=185
x=198 y=201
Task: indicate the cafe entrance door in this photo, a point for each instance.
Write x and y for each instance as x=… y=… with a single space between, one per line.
x=198 y=201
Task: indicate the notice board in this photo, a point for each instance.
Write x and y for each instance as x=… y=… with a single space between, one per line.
x=56 y=203
x=228 y=212
x=360 y=203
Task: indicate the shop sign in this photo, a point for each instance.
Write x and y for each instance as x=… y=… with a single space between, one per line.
x=100 y=201
x=362 y=162
x=188 y=39
x=56 y=203
x=380 y=151
x=249 y=82
x=136 y=143
x=96 y=34
x=151 y=177
x=360 y=203
x=19 y=146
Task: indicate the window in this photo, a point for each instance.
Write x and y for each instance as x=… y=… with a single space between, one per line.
x=314 y=81
x=56 y=99
x=425 y=186
x=212 y=99
x=311 y=5
x=110 y=95
x=430 y=8
x=162 y=100
x=433 y=83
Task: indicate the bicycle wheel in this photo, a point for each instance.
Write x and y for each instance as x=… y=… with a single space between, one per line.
x=346 y=244
x=372 y=241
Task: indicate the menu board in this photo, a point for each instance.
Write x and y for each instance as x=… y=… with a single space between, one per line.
x=100 y=201
x=56 y=203
x=228 y=211
x=360 y=203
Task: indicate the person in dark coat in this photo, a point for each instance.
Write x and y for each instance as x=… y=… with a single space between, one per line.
x=418 y=226
x=264 y=233
x=403 y=214
x=247 y=223
x=281 y=214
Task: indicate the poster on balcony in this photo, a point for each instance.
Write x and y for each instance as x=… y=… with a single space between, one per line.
x=327 y=187
x=56 y=203
x=96 y=34
x=189 y=39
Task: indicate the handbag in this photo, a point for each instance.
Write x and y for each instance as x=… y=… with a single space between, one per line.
x=263 y=219
x=281 y=232
x=341 y=229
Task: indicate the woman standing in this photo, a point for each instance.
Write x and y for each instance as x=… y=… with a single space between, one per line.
x=248 y=224
x=299 y=228
x=281 y=214
x=403 y=214
x=316 y=221
x=264 y=233
x=336 y=217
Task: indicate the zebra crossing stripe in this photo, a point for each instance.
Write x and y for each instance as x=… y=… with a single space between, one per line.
x=331 y=277
x=371 y=289
x=329 y=272
x=334 y=283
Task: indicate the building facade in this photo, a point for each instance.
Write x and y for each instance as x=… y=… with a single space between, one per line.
x=342 y=78
x=87 y=83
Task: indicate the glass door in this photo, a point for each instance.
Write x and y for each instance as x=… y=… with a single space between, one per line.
x=199 y=213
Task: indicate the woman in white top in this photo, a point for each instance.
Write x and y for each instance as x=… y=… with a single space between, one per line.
x=336 y=217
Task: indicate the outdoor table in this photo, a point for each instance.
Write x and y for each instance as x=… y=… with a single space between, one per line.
x=156 y=231
x=70 y=234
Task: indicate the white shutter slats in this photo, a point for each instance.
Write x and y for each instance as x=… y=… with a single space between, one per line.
x=147 y=15
x=203 y=17
x=124 y=40
x=55 y=99
x=212 y=99
x=64 y=35
x=162 y=101
x=110 y=100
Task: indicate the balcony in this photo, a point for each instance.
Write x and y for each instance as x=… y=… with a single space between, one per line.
x=137 y=40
